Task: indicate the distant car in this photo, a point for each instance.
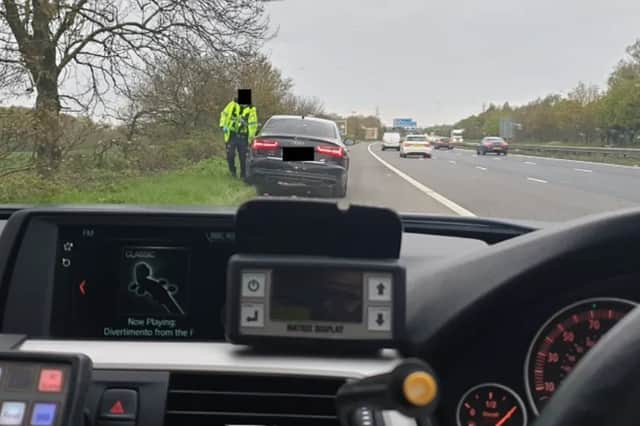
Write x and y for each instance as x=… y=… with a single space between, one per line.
x=391 y=140
x=492 y=144
x=302 y=153
x=442 y=143
x=415 y=145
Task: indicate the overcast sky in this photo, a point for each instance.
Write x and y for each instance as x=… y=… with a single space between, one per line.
x=439 y=61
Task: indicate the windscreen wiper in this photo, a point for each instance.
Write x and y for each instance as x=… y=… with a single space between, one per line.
x=488 y=230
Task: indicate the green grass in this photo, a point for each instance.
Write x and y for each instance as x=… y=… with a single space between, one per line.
x=206 y=183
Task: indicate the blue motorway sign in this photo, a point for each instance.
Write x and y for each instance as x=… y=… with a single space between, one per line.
x=406 y=123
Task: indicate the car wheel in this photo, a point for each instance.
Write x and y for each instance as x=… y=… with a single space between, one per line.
x=504 y=153
x=427 y=156
x=383 y=148
x=484 y=152
x=403 y=155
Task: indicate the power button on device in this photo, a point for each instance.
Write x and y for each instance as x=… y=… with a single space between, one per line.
x=253 y=284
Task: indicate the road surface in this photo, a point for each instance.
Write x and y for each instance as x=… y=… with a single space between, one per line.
x=459 y=182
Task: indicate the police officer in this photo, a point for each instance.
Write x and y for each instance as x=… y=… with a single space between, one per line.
x=239 y=122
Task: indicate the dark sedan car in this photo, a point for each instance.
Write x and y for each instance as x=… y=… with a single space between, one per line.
x=492 y=144
x=442 y=143
x=299 y=153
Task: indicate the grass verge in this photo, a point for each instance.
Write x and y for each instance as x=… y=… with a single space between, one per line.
x=205 y=183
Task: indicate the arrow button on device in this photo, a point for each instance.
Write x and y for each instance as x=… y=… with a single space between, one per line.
x=379 y=319
x=379 y=287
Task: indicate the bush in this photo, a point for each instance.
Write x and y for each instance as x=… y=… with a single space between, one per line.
x=147 y=154
x=106 y=165
x=23 y=188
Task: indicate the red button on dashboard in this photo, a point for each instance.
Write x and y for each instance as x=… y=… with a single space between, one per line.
x=51 y=380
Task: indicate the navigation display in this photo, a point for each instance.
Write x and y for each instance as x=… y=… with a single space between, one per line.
x=141 y=283
x=334 y=296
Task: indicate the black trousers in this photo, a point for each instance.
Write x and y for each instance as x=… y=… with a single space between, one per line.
x=237 y=142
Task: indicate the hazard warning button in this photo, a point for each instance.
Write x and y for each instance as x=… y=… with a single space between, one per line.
x=119 y=404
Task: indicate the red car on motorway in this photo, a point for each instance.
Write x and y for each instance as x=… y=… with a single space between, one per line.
x=442 y=143
x=492 y=144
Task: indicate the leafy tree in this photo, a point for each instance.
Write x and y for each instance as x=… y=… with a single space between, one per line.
x=94 y=46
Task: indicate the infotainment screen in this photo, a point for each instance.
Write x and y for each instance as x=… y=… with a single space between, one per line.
x=119 y=282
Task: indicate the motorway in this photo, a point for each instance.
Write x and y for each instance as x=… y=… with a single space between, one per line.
x=459 y=182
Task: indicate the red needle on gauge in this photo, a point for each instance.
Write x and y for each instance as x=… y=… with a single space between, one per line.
x=507 y=416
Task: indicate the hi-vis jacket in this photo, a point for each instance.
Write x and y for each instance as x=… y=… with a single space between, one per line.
x=236 y=119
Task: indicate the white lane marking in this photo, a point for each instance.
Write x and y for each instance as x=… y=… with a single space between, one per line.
x=484 y=169
x=530 y=163
x=594 y=163
x=452 y=161
x=497 y=158
x=537 y=180
x=583 y=170
x=423 y=188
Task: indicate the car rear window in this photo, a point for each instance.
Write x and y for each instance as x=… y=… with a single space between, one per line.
x=416 y=138
x=299 y=126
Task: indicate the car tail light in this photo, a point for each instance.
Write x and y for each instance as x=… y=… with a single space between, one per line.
x=265 y=145
x=336 y=152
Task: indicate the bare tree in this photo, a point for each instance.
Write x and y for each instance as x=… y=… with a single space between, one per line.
x=74 y=52
x=302 y=105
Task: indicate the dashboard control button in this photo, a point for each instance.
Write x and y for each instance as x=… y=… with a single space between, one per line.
x=43 y=414
x=379 y=319
x=379 y=287
x=119 y=404
x=252 y=315
x=51 y=380
x=12 y=413
x=20 y=378
x=253 y=284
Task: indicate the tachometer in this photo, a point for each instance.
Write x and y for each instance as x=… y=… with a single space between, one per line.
x=491 y=404
x=563 y=340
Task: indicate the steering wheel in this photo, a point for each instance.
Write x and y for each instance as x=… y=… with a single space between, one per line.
x=604 y=388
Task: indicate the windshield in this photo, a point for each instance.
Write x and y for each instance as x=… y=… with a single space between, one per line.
x=214 y=103
x=300 y=127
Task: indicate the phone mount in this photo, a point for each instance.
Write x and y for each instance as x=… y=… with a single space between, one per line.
x=317 y=228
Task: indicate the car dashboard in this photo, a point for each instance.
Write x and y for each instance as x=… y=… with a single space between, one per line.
x=69 y=285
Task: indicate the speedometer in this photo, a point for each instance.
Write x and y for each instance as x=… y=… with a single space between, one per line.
x=563 y=340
